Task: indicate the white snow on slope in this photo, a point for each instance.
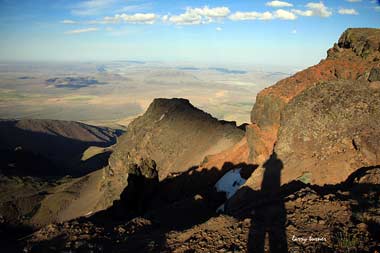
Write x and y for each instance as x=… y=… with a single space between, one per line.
x=229 y=183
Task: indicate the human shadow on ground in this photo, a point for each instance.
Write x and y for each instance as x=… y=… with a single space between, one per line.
x=266 y=209
x=269 y=218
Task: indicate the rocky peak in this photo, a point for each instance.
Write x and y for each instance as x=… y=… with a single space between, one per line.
x=176 y=135
x=363 y=42
x=162 y=105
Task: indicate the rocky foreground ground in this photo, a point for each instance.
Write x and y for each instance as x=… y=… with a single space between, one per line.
x=336 y=218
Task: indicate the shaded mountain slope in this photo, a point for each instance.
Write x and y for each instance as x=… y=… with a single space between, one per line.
x=60 y=142
x=38 y=159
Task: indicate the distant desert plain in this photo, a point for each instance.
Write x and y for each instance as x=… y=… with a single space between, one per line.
x=114 y=93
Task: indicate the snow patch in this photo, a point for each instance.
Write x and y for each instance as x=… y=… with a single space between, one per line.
x=229 y=183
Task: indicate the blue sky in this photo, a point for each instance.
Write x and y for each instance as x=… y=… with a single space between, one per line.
x=292 y=33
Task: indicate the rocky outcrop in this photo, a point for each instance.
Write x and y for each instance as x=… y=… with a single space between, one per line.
x=352 y=58
x=327 y=132
x=176 y=135
x=322 y=123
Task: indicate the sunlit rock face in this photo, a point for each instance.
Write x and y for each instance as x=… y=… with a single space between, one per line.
x=323 y=122
x=353 y=57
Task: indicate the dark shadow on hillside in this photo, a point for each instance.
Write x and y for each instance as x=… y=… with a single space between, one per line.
x=9 y=235
x=366 y=194
x=148 y=231
x=54 y=155
x=144 y=194
x=176 y=203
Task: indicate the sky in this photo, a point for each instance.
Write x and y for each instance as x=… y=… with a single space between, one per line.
x=285 y=33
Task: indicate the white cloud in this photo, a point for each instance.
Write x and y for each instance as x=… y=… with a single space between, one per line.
x=195 y=16
x=348 y=12
x=165 y=18
x=217 y=12
x=92 y=7
x=353 y=1
x=377 y=8
x=137 y=18
x=314 y=9
x=278 y=4
x=84 y=30
x=68 y=21
x=307 y=13
x=319 y=9
x=219 y=29
x=278 y=14
x=186 y=18
x=294 y=31
x=136 y=7
x=283 y=14
x=251 y=16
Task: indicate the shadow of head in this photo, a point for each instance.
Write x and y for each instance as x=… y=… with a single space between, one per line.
x=272 y=174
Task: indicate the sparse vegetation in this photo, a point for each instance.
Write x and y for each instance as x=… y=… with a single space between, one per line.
x=346 y=241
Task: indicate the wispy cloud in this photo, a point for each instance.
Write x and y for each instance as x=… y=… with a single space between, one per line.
x=84 y=30
x=219 y=29
x=91 y=7
x=353 y=1
x=196 y=16
x=348 y=12
x=136 y=7
x=137 y=18
x=278 y=4
x=68 y=21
